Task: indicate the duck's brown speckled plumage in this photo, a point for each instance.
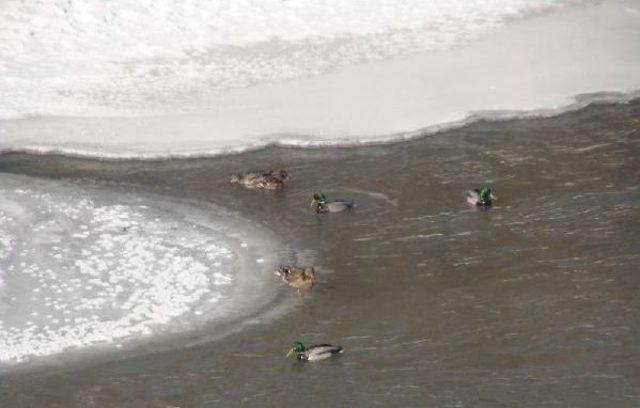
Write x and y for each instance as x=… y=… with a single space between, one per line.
x=301 y=278
x=266 y=180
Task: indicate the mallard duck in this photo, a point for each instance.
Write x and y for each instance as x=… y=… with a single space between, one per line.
x=481 y=197
x=313 y=353
x=301 y=278
x=321 y=205
x=268 y=180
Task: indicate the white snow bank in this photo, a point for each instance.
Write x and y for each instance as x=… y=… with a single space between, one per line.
x=538 y=64
x=87 y=266
x=97 y=57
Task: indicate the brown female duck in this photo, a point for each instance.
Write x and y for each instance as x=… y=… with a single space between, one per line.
x=301 y=278
x=266 y=180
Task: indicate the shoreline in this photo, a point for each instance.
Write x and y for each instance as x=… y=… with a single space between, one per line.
x=581 y=101
x=584 y=50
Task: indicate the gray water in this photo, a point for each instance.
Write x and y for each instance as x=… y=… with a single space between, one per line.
x=531 y=303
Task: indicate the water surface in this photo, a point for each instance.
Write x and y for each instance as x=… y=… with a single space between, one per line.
x=532 y=303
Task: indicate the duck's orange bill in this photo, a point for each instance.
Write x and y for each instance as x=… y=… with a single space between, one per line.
x=290 y=352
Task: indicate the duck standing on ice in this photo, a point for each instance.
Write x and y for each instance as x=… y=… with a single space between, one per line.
x=313 y=353
x=481 y=197
x=266 y=180
x=321 y=205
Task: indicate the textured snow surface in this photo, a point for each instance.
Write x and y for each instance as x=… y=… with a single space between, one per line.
x=95 y=57
x=168 y=101
x=82 y=267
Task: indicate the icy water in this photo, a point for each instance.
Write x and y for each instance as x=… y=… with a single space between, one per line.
x=85 y=265
x=532 y=303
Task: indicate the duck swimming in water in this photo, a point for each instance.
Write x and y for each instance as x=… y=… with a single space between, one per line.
x=313 y=353
x=301 y=278
x=267 y=180
x=481 y=197
x=321 y=205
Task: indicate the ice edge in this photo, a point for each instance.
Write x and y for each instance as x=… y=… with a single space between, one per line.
x=580 y=101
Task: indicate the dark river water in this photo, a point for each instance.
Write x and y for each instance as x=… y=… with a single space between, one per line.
x=534 y=302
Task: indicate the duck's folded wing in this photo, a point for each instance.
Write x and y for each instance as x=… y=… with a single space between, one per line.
x=340 y=205
x=309 y=273
x=322 y=351
x=325 y=348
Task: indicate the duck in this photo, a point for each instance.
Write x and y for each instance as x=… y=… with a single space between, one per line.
x=313 y=353
x=301 y=278
x=267 y=180
x=481 y=197
x=321 y=205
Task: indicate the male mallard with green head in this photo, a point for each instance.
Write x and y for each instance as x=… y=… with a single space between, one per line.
x=313 y=353
x=301 y=278
x=267 y=180
x=481 y=197
x=321 y=205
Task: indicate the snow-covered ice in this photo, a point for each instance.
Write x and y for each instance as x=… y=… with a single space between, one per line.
x=126 y=56
x=205 y=78
x=83 y=266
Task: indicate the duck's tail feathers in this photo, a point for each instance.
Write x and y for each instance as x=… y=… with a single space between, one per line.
x=336 y=350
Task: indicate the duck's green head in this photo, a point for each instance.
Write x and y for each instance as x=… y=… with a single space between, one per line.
x=296 y=347
x=318 y=198
x=485 y=193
